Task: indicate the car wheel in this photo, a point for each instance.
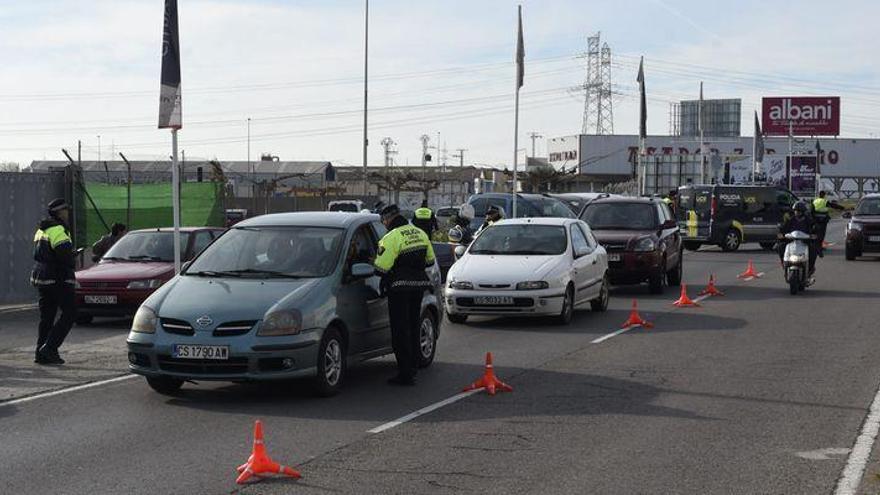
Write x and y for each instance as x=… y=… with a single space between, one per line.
x=851 y=254
x=732 y=240
x=165 y=385
x=656 y=283
x=673 y=277
x=331 y=364
x=768 y=245
x=565 y=316
x=456 y=318
x=601 y=303
x=84 y=319
x=692 y=246
x=427 y=339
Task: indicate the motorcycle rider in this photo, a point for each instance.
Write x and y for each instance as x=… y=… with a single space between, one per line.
x=801 y=221
x=820 y=208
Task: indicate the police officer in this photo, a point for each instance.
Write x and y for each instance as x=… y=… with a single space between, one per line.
x=404 y=254
x=493 y=214
x=425 y=219
x=54 y=277
x=820 y=216
x=100 y=248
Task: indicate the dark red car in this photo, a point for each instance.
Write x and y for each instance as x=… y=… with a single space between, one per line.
x=133 y=268
x=641 y=237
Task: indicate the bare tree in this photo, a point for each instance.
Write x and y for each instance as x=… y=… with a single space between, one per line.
x=10 y=167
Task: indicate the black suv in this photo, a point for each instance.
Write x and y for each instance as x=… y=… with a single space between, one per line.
x=728 y=216
x=641 y=237
x=863 y=230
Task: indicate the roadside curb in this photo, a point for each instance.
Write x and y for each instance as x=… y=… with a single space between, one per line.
x=17 y=308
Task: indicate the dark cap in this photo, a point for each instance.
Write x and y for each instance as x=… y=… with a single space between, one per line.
x=494 y=210
x=389 y=212
x=57 y=205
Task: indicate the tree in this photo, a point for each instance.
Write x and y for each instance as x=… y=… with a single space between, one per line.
x=10 y=167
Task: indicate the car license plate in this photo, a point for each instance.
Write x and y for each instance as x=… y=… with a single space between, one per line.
x=188 y=351
x=494 y=301
x=874 y=238
x=614 y=257
x=100 y=299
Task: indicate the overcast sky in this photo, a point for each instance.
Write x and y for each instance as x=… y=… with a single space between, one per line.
x=76 y=70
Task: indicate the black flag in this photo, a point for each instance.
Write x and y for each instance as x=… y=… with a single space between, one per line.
x=643 y=109
x=818 y=158
x=759 y=141
x=169 y=89
x=520 y=52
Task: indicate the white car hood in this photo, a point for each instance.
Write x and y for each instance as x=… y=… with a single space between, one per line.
x=503 y=269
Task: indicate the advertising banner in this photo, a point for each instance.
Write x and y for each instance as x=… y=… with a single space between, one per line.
x=802 y=174
x=808 y=115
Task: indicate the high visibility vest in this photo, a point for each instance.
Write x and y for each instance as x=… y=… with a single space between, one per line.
x=820 y=205
x=404 y=254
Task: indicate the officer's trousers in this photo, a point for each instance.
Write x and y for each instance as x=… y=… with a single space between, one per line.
x=404 y=307
x=56 y=297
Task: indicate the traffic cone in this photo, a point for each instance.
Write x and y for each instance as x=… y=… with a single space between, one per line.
x=710 y=289
x=259 y=463
x=489 y=381
x=750 y=272
x=826 y=244
x=635 y=320
x=684 y=300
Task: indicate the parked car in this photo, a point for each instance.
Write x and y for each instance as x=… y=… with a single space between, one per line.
x=863 y=230
x=577 y=201
x=642 y=240
x=528 y=206
x=138 y=264
x=729 y=215
x=529 y=267
x=445 y=216
x=347 y=205
x=278 y=296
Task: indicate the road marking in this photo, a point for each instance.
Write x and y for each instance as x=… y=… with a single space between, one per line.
x=855 y=465
x=76 y=388
x=614 y=334
x=425 y=410
x=748 y=279
x=822 y=454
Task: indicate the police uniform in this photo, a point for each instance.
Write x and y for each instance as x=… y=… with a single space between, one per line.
x=820 y=214
x=404 y=254
x=54 y=277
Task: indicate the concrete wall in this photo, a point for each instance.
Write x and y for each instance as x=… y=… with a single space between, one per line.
x=23 y=200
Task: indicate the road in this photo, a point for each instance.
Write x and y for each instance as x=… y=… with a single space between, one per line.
x=755 y=392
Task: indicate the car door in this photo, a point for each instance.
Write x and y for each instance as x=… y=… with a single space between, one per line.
x=584 y=265
x=670 y=235
x=363 y=308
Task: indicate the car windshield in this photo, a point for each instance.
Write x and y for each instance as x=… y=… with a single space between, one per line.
x=271 y=252
x=521 y=240
x=146 y=246
x=869 y=207
x=620 y=216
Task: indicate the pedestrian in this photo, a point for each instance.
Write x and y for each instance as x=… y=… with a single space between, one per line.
x=821 y=217
x=425 y=219
x=404 y=254
x=100 y=248
x=54 y=277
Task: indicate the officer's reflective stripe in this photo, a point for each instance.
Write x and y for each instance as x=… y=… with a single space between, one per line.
x=57 y=236
x=692 y=223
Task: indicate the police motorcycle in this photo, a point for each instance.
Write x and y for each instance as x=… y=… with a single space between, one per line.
x=796 y=261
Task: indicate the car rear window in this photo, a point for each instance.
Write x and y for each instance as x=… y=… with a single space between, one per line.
x=868 y=207
x=617 y=215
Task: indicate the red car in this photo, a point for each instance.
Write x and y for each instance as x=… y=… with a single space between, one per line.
x=133 y=268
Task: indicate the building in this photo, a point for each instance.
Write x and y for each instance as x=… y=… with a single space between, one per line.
x=721 y=118
x=408 y=186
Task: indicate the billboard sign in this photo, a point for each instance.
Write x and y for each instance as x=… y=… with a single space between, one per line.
x=802 y=175
x=808 y=115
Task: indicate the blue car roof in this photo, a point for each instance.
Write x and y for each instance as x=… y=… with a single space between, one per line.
x=336 y=219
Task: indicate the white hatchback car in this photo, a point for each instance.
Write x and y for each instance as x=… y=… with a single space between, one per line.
x=529 y=266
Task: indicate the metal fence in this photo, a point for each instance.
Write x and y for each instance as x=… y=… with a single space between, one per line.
x=23 y=205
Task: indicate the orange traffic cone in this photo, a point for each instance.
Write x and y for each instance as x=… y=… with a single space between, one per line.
x=259 y=463
x=826 y=245
x=489 y=381
x=684 y=300
x=635 y=320
x=750 y=272
x=710 y=289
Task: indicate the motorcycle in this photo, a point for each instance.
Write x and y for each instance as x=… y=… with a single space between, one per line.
x=796 y=261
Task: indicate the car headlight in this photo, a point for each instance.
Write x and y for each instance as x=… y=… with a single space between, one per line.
x=287 y=322
x=644 y=244
x=461 y=285
x=533 y=285
x=144 y=320
x=855 y=226
x=145 y=284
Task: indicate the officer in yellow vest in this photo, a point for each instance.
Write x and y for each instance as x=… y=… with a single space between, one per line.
x=425 y=219
x=405 y=252
x=821 y=217
x=54 y=277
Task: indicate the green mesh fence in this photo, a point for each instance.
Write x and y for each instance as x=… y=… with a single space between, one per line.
x=200 y=205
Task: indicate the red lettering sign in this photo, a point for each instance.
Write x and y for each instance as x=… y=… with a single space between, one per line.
x=806 y=115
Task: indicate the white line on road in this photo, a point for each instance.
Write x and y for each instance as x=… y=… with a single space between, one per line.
x=425 y=410
x=855 y=465
x=748 y=279
x=614 y=334
x=67 y=390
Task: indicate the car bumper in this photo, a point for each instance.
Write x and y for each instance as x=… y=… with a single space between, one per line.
x=250 y=358
x=127 y=302
x=634 y=268
x=526 y=302
x=859 y=241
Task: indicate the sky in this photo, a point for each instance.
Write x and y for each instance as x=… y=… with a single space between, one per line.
x=89 y=71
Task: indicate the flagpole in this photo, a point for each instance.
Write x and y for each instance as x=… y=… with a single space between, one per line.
x=520 y=62
x=175 y=199
x=790 y=154
x=755 y=154
x=366 y=46
x=818 y=169
x=515 y=146
x=702 y=140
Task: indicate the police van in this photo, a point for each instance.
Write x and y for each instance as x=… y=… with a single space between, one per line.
x=729 y=215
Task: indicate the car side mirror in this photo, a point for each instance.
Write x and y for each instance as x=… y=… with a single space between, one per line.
x=459 y=251
x=185 y=266
x=669 y=224
x=846 y=214
x=362 y=270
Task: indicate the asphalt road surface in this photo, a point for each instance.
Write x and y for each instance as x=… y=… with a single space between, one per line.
x=755 y=392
